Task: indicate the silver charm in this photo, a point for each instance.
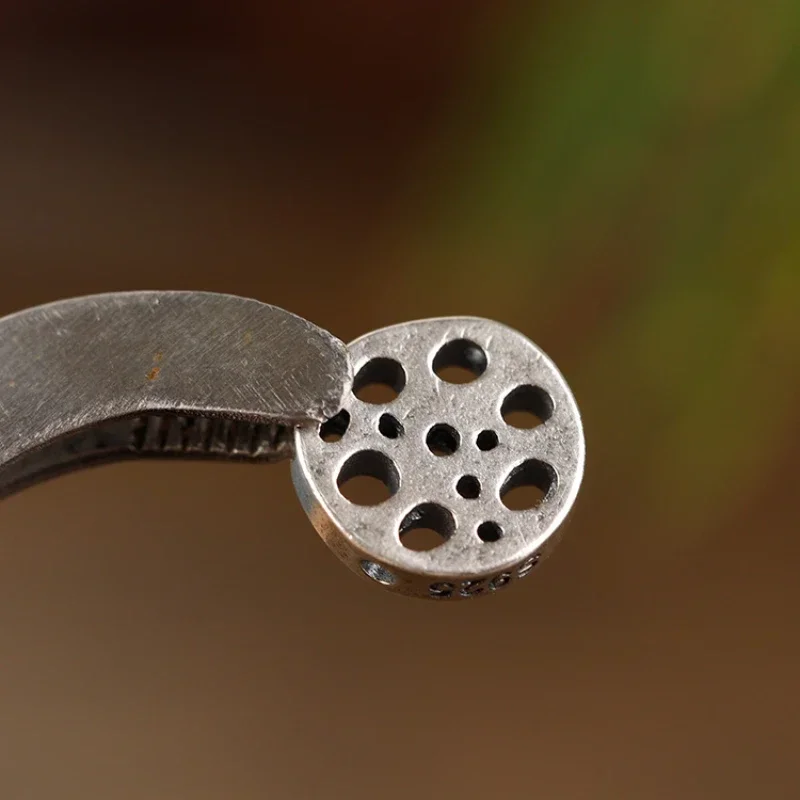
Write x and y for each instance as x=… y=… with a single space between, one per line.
x=466 y=427
x=450 y=456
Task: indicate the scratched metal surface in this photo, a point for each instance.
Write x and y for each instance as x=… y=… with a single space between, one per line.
x=91 y=378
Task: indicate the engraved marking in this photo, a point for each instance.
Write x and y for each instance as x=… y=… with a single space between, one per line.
x=499 y=581
x=473 y=588
x=528 y=565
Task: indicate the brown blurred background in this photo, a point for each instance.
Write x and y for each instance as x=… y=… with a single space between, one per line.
x=618 y=180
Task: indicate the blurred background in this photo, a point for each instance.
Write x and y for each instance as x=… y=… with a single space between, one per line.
x=618 y=180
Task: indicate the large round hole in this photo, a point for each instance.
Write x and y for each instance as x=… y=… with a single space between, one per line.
x=390 y=426
x=486 y=440
x=368 y=478
x=527 y=485
x=489 y=532
x=380 y=380
x=443 y=440
x=527 y=407
x=378 y=573
x=469 y=487
x=427 y=526
x=334 y=428
x=459 y=361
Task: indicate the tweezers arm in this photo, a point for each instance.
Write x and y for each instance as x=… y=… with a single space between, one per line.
x=178 y=374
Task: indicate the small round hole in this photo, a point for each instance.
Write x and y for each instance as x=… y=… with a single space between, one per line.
x=377 y=573
x=460 y=361
x=489 y=532
x=527 y=485
x=368 y=478
x=390 y=426
x=527 y=407
x=427 y=526
x=333 y=429
x=379 y=381
x=469 y=487
x=443 y=440
x=486 y=440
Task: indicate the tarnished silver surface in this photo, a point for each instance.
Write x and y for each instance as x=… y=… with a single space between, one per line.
x=187 y=374
x=430 y=490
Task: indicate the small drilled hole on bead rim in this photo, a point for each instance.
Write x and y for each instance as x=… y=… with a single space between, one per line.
x=426 y=526
x=486 y=440
x=390 y=426
x=333 y=429
x=527 y=407
x=368 y=478
x=377 y=573
x=443 y=440
x=489 y=532
x=379 y=381
x=460 y=361
x=469 y=487
x=527 y=485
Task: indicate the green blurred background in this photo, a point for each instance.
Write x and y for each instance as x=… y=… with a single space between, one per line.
x=618 y=180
